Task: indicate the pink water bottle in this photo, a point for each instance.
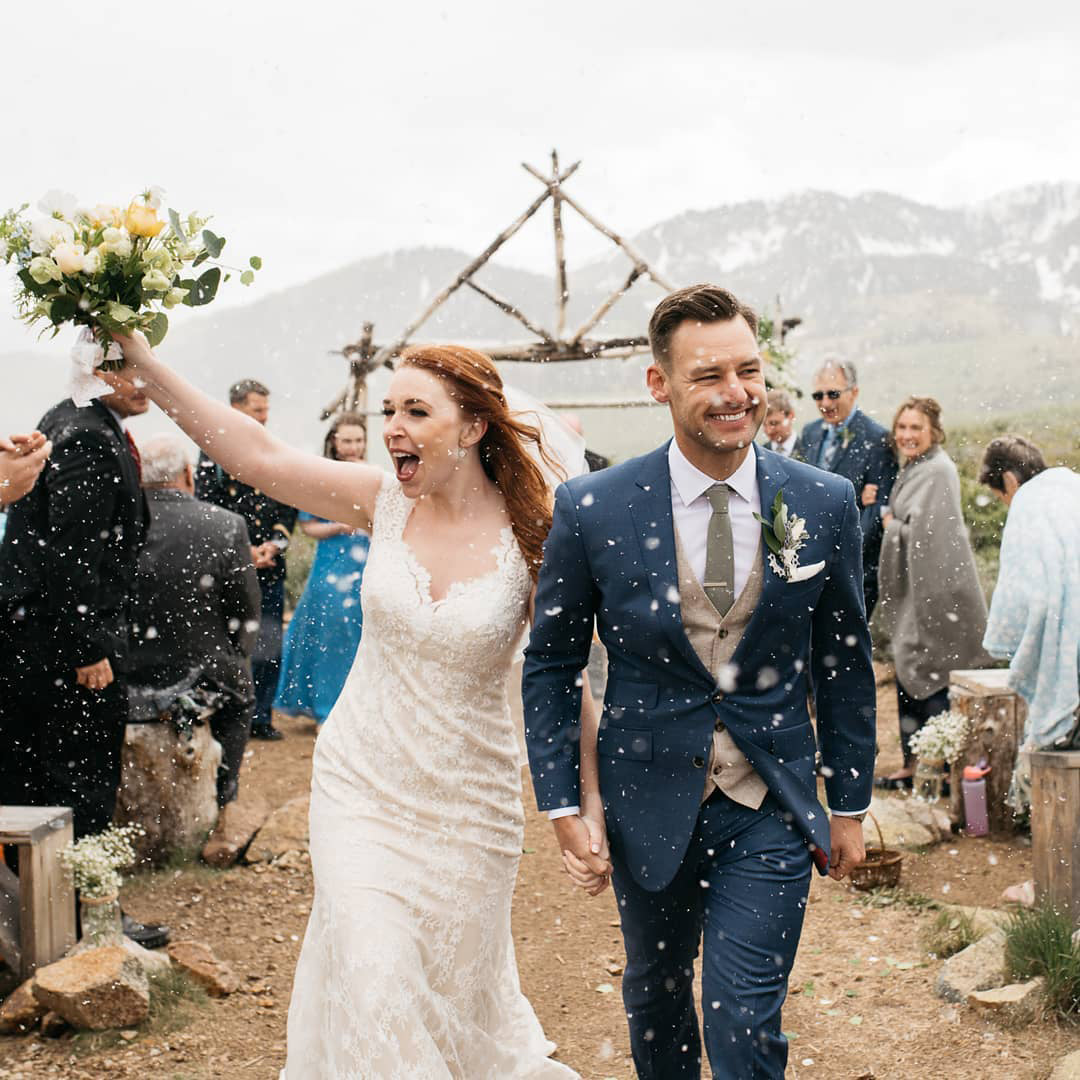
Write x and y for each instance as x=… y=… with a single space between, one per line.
x=978 y=822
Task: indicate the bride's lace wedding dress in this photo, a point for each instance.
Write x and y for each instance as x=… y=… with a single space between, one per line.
x=407 y=969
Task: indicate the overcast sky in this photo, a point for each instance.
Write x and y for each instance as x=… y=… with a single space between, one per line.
x=318 y=133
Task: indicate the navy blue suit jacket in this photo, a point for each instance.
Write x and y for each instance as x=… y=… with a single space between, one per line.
x=867 y=459
x=610 y=557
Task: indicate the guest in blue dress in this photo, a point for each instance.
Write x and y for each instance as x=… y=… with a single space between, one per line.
x=324 y=633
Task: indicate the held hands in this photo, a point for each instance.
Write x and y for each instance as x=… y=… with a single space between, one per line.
x=95 y=676
x=846 y=842
x=583 y=841
x=22 y=457
x=265 y=555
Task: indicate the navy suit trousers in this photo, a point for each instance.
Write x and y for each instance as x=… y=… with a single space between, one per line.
x=741 y=891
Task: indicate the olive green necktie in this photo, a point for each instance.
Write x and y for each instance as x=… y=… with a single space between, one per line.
x=720 y=552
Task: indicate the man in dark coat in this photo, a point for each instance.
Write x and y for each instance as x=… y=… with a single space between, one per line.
x=269 y=524
x=196 y=602
x=847 y=442
x=66 y=569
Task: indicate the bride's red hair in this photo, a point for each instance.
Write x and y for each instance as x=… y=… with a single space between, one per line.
x=476 y=385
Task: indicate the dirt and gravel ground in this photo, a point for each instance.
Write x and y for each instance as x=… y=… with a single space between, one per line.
x=862 y=1002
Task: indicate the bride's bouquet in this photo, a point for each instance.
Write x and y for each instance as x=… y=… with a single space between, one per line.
x=110 y=269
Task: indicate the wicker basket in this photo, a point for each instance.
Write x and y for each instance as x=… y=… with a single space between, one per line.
x=881 y=867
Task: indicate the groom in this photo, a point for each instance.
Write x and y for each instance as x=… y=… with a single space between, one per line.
x=706 y=752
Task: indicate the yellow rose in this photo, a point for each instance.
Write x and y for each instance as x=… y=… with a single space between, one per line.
x=142 y=220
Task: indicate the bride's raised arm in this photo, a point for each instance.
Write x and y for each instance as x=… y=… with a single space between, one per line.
x=338 y=490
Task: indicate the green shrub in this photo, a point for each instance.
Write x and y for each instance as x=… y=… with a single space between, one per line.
x=949 y=933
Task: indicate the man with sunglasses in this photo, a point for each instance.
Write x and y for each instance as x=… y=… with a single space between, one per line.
x=847 y=442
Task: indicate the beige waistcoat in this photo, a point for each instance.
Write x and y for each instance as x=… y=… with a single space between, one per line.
x=715 y=640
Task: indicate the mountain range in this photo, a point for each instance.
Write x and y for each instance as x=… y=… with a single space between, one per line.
x=978 y=305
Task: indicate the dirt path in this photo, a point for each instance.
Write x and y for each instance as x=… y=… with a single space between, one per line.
x=862 y=1002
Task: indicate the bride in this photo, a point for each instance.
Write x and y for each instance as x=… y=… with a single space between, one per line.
x=407 y=968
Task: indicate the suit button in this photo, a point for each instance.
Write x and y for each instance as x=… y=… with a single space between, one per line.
x=718 y=696
x=698 y=763
x=722 y=633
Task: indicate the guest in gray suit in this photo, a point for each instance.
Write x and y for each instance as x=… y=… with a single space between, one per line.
x=196 y=600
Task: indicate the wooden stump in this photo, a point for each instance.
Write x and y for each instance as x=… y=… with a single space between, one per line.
x=997 y=716
x=1055 y=829
x=169 y=787
x=37 y=908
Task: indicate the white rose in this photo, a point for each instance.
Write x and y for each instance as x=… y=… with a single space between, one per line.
x=69 y=257
x=46 y=233
x=116 y=241
x=174 y=296
x=155 y=281
x=58 y=202
x=154 y=196
x=43 y=270
x=92 y=261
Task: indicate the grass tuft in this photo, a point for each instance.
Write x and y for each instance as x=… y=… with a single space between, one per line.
x=949 y=933
x=1039 y=942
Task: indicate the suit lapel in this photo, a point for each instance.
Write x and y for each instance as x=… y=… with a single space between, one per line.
x=655 y=529
x=771 y=476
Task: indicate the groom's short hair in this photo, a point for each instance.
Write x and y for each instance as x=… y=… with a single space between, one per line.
x=696 y=303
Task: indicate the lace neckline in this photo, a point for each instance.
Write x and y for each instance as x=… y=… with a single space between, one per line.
x=423 y=576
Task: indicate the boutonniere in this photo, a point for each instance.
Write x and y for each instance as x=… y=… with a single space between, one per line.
x=784 y=536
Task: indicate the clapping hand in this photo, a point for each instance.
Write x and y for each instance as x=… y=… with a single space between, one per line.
x=22 y=457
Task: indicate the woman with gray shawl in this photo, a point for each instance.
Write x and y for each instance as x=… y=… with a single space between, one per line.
x=931 y=600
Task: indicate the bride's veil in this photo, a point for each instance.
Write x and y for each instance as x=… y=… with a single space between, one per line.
x=563 y=445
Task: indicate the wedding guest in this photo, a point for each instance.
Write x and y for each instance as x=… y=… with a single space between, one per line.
x=67 y=566
x=847 y=442
x=196 y=600
x=779 y=426
x=269 y=524
x=595 y=461
x=324 y=633
x=1035 y=611
x=932 y=604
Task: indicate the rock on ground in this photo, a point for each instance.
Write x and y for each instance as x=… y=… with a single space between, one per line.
x=53 y=1025
x=195 y=958
x=286 y=829
x=906 y=822
x=980 y=966
x=237 y=823
x=984 y=920
x=152 y=962
x=100 y=989
x=1017 y=1003
x=20 y=1011
x=1068 y=1068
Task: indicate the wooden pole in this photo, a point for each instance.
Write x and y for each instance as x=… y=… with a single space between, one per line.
x=509 y=308
x=561 y=290
x=609 y=303
x=390 y=350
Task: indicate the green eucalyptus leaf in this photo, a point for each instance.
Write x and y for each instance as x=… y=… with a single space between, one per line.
x=213 y=243
x=204 y=288
x=121 y=313
x=32 y=286
x=174 y=221
x=255 y=262
x=156 y=329
x=247 y=277
x=780 y=524
x=200 y=258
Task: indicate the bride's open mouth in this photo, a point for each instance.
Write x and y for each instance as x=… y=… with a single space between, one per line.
x=405 y=465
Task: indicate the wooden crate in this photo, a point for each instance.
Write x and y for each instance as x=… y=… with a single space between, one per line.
x=37 y=907
x=1055 y=828
x=997 y=714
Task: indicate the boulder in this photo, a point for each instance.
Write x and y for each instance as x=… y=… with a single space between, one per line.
x=980 y=966
x=1068 y=1068
x=199 y=962
x=1017 y=1003
x=20 y=1011
x=906 y=822
x=237 y=823
x=1022 y=894
x=153 y=963
x=286 y=829
x=169 y=787
x=100 y=989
